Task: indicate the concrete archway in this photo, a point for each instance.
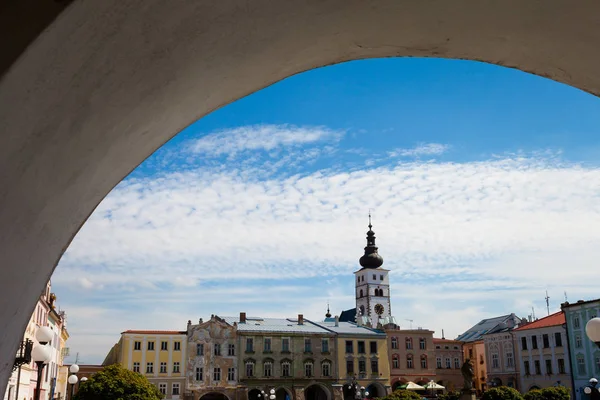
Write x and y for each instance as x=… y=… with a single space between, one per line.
x=87 y=92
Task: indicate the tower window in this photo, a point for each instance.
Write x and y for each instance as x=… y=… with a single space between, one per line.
x=358 y=280
x=374 y=277
x=361 y=293
x=381 y=277
x=362 y=278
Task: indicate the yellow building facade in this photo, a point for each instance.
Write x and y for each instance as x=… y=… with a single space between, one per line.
x=158 y=355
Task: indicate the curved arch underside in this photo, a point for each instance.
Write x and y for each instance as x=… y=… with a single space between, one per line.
x=108 y=82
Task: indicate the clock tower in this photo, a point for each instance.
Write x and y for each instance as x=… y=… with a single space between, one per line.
x=373 y=304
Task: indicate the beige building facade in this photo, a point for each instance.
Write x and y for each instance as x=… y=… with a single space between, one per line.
x=448 y=362
x=411 y=356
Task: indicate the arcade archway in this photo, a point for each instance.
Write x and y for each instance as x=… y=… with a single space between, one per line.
x=214 y=396
x=317 y=392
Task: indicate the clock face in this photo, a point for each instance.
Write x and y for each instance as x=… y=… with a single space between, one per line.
x=379 y=309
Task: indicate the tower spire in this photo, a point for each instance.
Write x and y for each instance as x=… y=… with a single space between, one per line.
x=371 y=258
x=328 y=315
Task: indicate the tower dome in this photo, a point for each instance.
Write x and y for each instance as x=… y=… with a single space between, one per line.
x=371 y=258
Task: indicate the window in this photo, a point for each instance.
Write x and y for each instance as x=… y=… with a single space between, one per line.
x=362 y=278
x=581 y=370
x=163 y=367
x=137 y=345
x=358 y=279
x=361 y=293
x=217 y=349
x=381 y=277
x=456 y=348
x=285 y=369
x=231 y=374
x=526 y=367
x=249 y=345
x=136 y=367
x=457 y=363
x=536 y=366
x=200 y=349
x=409 y=361
x=408 y=343
x=199 y=374
x=534 y=342
x=285 y=345
x=495 y=361
x=250 y=369
x=510 y=362
x=545 y=340
x=162 y=388
x=373 y=347
x=176 y=367
x=308 y=369
x=438 y=362
x=396 y=362
x=149 y=368
x=362 y=367
x=361 y=347
x=597 y=360
x=422 y=344
x=578 y=342
x=471 y=354
x=374 y=277
x=267 y=344
x=325 y=345
x=349 y=347
x=326 y=369
x=176 y=389
x=561 y=366
x=177 y=346
x=549 y=367
x=374 y=366
x=350 y=367
x=150 y=346
x=307 y=345
x=394 y=343
x=557 y=339
x=448 y=363
x=523 y=343
x=424 y=362
x=231 y=349
x=217 y=374
x=268 y=369
x=164 y=346
x=576 y=323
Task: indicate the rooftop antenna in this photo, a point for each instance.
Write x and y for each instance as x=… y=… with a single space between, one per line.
x=411 y=321
x=547 y=302
x=533 y=313
x=566 y=296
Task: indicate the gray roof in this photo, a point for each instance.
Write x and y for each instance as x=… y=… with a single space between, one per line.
x=348 y=328
x=490 y=325
x=283 y=325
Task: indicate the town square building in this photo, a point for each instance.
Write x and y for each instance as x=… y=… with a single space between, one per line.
x=502 y=368
x=448 y=361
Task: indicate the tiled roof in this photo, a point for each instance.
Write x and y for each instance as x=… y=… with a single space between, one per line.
x=257 y=324
x=155 y=332
x=555 y=319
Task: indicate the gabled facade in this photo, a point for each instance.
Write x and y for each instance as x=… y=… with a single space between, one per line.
x=583 y=353
x=542 y=353
x=502 y=368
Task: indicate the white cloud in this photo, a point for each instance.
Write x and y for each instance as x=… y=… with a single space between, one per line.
x=260 y=137
x=425 y=149
x=462 y=240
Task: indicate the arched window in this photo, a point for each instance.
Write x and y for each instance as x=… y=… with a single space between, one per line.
x=424 y=361
x=326 y=369
x=308 y=369
x=409 y=361
x=361 y=293
x=268 y=369
x=394 y=342
x=409 y=343
x=286 y=369
x=250 y=369
x=395 y=361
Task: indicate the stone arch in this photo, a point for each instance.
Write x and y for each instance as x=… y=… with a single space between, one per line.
x=375 y=390
x=45 y=74
x=283 y=393
x=317 y=391
x=396 y=384
x=214 y=395
x=497 y=382
x=533 y=387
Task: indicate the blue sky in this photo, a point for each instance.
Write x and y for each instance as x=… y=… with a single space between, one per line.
x=483 y=181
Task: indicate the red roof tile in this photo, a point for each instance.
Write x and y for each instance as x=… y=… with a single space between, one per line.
x=155 y=332
x=551 y=320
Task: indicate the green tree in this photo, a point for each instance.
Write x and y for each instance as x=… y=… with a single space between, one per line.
x=534 y=394
x=453 y=395
x=402 y=394
x=556 y=393
x=117 y=383
x=501 y=393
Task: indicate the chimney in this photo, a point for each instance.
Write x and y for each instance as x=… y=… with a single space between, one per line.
x=337 y=320
x=443 y=334
x=242 y=318
x=300 y=319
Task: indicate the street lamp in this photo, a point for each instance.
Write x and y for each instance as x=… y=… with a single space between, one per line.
x=592 y=390
x=73 y=369
x=272 y=394
x=84 y=379
x=592 y=330
x=41 y=355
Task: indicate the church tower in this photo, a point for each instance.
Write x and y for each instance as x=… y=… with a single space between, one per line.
x=372 y=286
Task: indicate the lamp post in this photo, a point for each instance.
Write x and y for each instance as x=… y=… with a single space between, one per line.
x=73 y=369
x=41 y=355
x=23 y=357
x=272 y=394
